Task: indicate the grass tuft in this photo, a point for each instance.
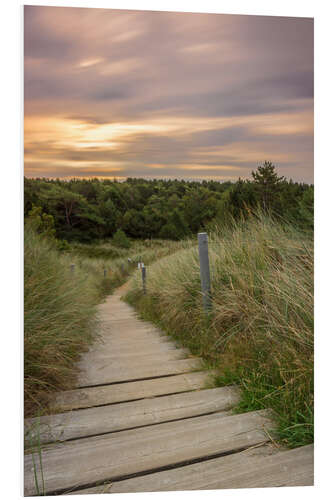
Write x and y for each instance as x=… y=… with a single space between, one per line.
x=60 y=307
x=260 y=331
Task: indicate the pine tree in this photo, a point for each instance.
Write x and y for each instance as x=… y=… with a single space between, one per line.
x=267 y=183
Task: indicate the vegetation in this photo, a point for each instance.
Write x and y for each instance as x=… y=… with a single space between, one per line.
x=59 y=317
x=260 y=331
x=120 y=239
x=89 y=210
x=60 y=305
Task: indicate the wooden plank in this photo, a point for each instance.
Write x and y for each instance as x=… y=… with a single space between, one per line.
x=113 y=337
x=126 y=315
x=133 y=357
x=101 y=362
x=254 y=468
x=88 y=460
x=139 y=349
x=137 y=343
x=94 y=421
x=249 y=469
x=126 y=340
x=93 y=396
x=121 y=373
x=132 y=324
x=130 y=347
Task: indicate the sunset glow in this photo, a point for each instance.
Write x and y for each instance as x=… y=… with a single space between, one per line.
x=111 y=93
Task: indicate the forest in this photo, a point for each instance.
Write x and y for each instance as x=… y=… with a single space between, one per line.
x=87 y=210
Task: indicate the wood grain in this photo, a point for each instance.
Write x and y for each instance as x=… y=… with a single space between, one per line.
x=117 y=393
x=110 y=373
x=102 y=458
x=253 y=468
x=93 y=421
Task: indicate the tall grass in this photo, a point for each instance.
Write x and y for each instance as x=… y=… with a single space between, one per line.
x=59 y=318
x=60 y=308
x=260 y=331
x=147 y=249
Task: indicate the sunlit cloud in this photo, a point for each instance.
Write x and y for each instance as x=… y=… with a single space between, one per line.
x=123 y=66
x=204 y=166
x=200 y=48
x=90 y=62
x=166 y=95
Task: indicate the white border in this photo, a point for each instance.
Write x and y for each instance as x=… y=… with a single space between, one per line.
x=11 y=212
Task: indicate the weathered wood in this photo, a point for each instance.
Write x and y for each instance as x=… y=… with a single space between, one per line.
x=125 y=322
x=100 y=362
x=145 y=435
x=94 y=421
x=102 y=458
x=129 y=340
x=204 y=270
x=128 y=344
x=93 y=396
x=138 y=348
x=107 y=374
x=120 y=328
x=253 y=468
x=133 y=358
x=143 y=271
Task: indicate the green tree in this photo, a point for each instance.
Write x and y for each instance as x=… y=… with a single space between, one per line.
x=109 y=213
x=120 y=239
x=178 y=222
x=169 y=232
x=267 y=184
x=63 y=201
x=134 y=223
x=41 y=222
x=306 y=208
x=199 y=208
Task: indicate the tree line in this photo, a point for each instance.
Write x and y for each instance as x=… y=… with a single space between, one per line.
x=86 y=210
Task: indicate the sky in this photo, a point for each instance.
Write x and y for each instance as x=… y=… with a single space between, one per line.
x=119 y=93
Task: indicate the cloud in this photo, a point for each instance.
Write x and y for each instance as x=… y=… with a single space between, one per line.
x=195 y=83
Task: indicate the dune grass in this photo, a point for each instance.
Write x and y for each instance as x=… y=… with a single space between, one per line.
x=259 y=333
x=60 y=308
x=59 y=318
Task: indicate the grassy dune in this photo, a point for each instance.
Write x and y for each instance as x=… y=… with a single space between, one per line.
x=260 y=331
x=60 y=309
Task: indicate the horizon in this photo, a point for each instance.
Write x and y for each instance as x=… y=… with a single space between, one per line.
x=149 y=179
x=166 y=95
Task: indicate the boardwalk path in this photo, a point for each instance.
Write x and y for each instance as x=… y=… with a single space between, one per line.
x=142 y=418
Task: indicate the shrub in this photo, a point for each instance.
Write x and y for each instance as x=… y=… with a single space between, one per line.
x=120 y=239
x=41 y=222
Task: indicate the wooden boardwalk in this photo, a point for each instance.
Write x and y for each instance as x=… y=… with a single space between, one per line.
x=143 y=418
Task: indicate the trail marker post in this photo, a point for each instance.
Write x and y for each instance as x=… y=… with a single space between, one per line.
x=143 y=272
x=204 y=271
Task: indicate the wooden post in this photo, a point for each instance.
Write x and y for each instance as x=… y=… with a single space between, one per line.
x=204 y=271
x=104 y=273
x=72 y=268
x=143 y=272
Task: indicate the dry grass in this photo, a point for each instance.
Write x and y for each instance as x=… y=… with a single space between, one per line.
x=260 y=330
x=60 y=309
